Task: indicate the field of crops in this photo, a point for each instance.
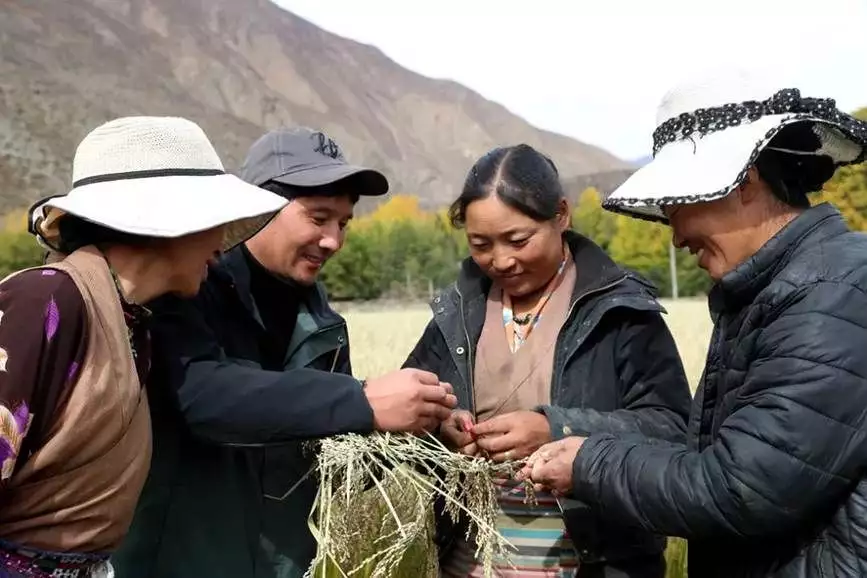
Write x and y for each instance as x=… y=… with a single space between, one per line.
x=381 y=338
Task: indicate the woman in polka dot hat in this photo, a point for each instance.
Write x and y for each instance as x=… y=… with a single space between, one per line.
x=772 y=480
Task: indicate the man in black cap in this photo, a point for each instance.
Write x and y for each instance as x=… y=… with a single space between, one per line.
x=252 y=368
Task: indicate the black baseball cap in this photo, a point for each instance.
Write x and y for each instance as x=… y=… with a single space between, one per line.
x=303 y=157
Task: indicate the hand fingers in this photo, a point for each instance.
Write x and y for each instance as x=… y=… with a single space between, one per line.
x=448 y=387
x=471 y=449
x=527 y=470
x=500 y=482
x=428 y=424
x=508 y=455
x=462 y=420
x=547 y=451
x=540 y=473
x=534 y=457
x=426 y=377
x=493 y=426
x=498 y=444
x=455 y=437
x=436 y=411
x=438 y=394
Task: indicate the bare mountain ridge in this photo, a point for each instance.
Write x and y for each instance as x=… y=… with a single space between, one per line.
x=238 y=68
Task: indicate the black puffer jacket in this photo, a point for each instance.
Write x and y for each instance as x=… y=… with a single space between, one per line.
x=773 y=481
x=616 y=370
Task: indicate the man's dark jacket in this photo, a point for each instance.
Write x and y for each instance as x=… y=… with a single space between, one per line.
x=227 y=434
x=772 y=483
x=616 y=369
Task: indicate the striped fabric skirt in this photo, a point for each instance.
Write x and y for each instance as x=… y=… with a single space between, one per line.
x=542 y=545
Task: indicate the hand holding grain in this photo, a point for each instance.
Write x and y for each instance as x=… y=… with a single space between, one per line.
x=513 y=436
x=409 y=400
x=457 y=432
x=550 y=467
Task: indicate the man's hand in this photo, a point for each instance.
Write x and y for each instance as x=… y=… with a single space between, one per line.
x=409 y=400
x=456 y=432
x=513 y=436
x=550 y=467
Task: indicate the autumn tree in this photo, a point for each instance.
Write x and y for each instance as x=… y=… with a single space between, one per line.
x=18 y=248
x=591 y=220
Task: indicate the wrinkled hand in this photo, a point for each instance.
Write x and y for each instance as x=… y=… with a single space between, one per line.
x=456 y=432
x=513 y=436
x=409 y=400
x=550 y=467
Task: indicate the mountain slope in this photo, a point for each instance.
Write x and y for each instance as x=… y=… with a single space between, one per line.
x=237 y=67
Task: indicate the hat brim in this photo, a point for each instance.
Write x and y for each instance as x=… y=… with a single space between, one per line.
x=368 y=182
x=168 y=207
x=710 y=167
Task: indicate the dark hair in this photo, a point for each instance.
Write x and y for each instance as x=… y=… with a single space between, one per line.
x=335 y=189
x=791 y=176
x=520 y=176
x=76 y=233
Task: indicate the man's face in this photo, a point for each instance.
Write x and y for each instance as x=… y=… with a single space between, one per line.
x=303 y=236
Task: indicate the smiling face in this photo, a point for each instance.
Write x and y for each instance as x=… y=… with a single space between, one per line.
x=513 y=249
x=711 y=232
x=303 y=236
x=726 y=232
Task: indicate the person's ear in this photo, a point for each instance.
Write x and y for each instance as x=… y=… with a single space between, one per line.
x=748 y=191
x=564 y=216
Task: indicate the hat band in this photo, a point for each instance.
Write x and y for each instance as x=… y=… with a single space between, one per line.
x=148 y=174
x=704 y=121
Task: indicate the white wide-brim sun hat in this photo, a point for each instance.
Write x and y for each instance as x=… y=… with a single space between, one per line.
x=155 y=177
x=711 y=131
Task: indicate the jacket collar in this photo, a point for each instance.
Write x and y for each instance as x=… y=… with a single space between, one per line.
x=234 y=269
x=744 y=282
x=596 y=270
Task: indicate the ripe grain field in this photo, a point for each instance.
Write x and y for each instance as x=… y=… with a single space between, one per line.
x=382 y=337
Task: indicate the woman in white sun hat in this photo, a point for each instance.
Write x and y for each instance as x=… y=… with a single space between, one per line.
x=772 y=480
x=149 y=207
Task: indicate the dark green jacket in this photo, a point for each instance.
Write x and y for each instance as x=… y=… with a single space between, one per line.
x=228 y=434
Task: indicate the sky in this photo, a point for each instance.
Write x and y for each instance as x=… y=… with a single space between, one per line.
x=596 y=70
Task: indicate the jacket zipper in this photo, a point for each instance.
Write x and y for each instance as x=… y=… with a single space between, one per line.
x=311 y=469
x=336 y=357
x=580 y=298
x=557 y=380
x=472 y=389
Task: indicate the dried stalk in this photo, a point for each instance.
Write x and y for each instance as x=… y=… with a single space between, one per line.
x=376 y=492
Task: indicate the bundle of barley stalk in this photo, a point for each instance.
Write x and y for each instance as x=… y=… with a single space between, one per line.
x=373 y=515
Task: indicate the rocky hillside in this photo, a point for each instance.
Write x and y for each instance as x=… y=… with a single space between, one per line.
x=237 y=67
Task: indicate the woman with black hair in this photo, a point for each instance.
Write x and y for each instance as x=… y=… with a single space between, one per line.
x=543 y=328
